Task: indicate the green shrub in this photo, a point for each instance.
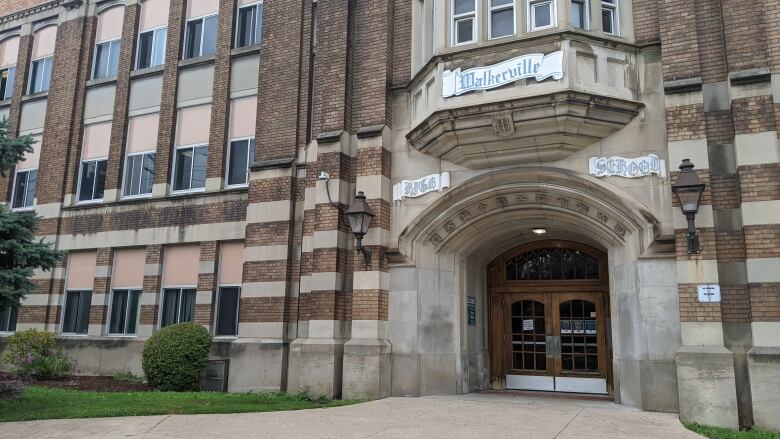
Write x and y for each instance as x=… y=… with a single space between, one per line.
x=35 y=354
x=174 y=357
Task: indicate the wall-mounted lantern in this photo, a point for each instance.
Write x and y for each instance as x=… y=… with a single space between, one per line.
x=688 y=190
x=359 y=216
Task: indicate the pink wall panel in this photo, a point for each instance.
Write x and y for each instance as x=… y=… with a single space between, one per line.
x=9 y=51
x=142 y=133
x=43 y=42
x=128 y=268
x=243 y=113
x=231 y=263
x=181 y=265
x=31 y=159
x=110 y=24
x=193 y=125
x=81 y=270
x=97 y=138
x=154 y=14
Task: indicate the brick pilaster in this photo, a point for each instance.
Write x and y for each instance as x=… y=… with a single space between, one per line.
x=15 y=113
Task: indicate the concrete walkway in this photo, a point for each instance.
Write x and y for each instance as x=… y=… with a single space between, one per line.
x=468 y=416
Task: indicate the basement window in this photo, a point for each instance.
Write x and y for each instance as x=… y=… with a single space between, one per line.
x=151 y=48
x=8 y=319
x=23 y=194
x=75 y=316
x=178 y=306
x=609 y=17
x=227 y=311
x=190 y=168
x=106 y=59
x=7 y=76
x=201 y=37
x=124 y=312
x=93 y=180
x=249 y=28
x=40 y=75
x=464 y=22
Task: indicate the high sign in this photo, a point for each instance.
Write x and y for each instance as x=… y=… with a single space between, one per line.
x=421 y=186
x=628 y=168
x=535 y=65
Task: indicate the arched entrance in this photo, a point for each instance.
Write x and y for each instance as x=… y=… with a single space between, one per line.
x=549 y=308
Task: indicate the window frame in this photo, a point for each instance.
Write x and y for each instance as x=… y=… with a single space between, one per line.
x=94 y=184
x=454 y=18
x=64 y=308
x=110 y=44
x=216 y=310
x=176 y=149
x=531 y=15
x=180 y=289
x=202 y=19
x=613 y=7
x=251 y=140
x=13 y=82
x=154 y=40
x=12 y=310
x=31 y=83
x=259 y=25
x=140 y=176
x=130 y=291
x=585 y=11
x=492 y=9
x=13 y=191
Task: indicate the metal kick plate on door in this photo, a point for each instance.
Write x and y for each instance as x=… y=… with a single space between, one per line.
x=553 y=343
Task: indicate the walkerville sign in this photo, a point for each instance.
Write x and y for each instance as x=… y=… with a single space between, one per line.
x=534 y=65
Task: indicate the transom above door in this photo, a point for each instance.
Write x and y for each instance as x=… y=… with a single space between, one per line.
x=549 y=307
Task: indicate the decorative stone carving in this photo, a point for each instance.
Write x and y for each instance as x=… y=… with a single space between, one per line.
x=602 y=217
x=450 y=227
x=582 y=207
x=502 y=202
x=435 y=239
x=521 y=198
x=503 y=125
x=482 y=208
x=464 y=215
x=563 y=202
x=620 y=230
x=541 y=198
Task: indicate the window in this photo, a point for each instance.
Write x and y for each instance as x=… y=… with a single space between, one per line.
x=139 y=174
x=542 y=15
x=8 y=319
x=464 y=22
x=178 y=306
x=93 y=180
x=24 y=189
x=124 y=312
x=75 y=317
x=227 y=311
x=553 y=264
x=240 y=157
x=40 y=75
x=609 y=17
x=201 y=37
x=502 y=18
x=190 y=168
x=106 y=59
x=151 y=48
x=7 y=83
x=579 y=14
x=250 y=25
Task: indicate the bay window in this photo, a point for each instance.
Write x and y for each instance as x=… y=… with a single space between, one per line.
x=541 y=14
x=609 y=17
x=502 y=18
x=464 y=22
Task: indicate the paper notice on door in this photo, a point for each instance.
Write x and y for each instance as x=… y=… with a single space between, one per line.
x=528 y=324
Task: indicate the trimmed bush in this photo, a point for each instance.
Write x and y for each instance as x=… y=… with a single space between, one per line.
x=174 y=357
x=35 y=354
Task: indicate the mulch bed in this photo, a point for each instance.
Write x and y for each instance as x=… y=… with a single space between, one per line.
x=92 y=383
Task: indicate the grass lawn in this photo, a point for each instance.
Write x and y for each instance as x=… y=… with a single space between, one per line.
x=46 y=403
x=725 y=433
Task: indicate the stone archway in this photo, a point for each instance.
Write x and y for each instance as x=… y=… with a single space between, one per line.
x=453 y=240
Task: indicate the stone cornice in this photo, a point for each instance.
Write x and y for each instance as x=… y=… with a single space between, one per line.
x=67 y=4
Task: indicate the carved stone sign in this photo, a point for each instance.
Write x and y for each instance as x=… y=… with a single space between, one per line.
x=628 y=168
x=535 y=65
x=421 y=186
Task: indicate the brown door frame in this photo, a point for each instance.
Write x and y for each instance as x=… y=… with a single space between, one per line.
x=501 y=293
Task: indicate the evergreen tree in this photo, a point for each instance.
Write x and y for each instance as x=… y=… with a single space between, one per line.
x=20 y=252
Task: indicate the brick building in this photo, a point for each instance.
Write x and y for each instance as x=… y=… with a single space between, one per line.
x=195 y=159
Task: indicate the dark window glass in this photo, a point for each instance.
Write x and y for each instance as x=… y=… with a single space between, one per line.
x=578 y=14
x=178 y=306
x=106 y=59
x=542 y=14
x=227 y=311
x=76 y=317
x=249 y=25
x=191 y=165
x=7 y=83
x=464 y=6
x=40 y=75
x=552 y=264
x=93 y=180
x=608 y=20
x=465 y=30
x=139 y=174
x=124 y=311
x=209 y=45
x=502 y=21
x=241 y=152
x=8 y=319
x=193 y=38
x=145 y=47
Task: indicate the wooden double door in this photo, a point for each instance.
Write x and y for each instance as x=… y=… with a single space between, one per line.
x=549 y=314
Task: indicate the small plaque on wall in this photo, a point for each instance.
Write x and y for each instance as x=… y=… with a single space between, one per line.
x=709 y=293
x=471 y=310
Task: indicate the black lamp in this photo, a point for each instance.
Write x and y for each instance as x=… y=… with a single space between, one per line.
x=688 y=189
x=359 y=216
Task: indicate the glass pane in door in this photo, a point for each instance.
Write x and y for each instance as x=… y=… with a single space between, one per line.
x=579 y=338
x=529 y=350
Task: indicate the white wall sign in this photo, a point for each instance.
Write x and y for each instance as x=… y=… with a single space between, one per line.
x=534 y=65
x=421 y=186
x=709 y=293
x=628 y=168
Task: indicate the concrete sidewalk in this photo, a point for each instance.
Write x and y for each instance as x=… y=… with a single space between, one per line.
x=488 y=415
